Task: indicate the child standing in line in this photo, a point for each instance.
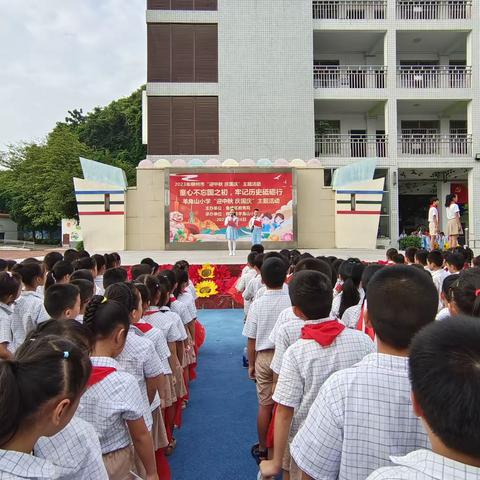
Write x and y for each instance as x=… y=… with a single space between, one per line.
x=446 y=403
x=87 y=291
x=10 y=288
x=62 y=301
x=454 y=261
x=261 y=319
x=255 y=283
x=60 y=273
x=113 y=403
x=363 y=414
x=464 y=294
x=435 y=265
x=40 y=389
x=101 y=268
x=324 y=347
x=184 y=265
x=231 y=222
x=29 y=310
x=248 y=274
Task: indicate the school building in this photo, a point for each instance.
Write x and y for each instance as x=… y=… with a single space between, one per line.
x=269 y=82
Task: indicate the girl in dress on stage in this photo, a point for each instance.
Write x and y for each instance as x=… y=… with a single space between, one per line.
x=231 y=222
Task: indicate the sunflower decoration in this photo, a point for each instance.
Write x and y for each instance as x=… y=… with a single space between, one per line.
x=207 y=271
x=206 y=289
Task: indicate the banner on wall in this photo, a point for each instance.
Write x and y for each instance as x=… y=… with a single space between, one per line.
x=199 y=203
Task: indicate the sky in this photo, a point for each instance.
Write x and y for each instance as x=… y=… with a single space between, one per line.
x=58 y=55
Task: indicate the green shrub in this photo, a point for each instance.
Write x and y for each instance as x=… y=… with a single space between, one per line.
x=410 y=241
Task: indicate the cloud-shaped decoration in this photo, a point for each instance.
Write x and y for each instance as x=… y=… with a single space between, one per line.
x=314 y=162
x=230 y=162
x=298 y=163
x=264 y=162
x=247 y=162
x=196 y=162
x=162 y=163
x=145 y=164
x=281 y=162
x=212 y=162
x=179 y=162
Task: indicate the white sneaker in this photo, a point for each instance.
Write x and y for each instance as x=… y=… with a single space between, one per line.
x=230 y=254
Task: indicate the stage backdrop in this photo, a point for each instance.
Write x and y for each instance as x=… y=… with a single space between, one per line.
x=199 y=202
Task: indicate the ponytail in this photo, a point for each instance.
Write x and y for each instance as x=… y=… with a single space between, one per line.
x=43 y=369
x=448 y=199
x=58 y=272
x=182 y=279
x=123 y=293
x=102 y=316
x=351 y=272
x=465 y=292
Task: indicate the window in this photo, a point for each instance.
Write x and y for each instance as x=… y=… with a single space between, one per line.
x=182 y=53
x=182 y=4
x=183 y=125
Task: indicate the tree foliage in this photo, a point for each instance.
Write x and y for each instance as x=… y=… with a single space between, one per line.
x=36 y=187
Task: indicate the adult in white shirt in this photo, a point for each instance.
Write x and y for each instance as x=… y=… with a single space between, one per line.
x=433 y=219
x=454 y=225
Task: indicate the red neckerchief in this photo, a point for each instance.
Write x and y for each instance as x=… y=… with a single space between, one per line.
x=98 y=374
x=323 y=333
x=368 y=330
x=150 y=312
x=143 y=327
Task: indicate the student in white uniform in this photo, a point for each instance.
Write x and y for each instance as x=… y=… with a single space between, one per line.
x=433 y=220
x=62 y=302
x=446 y=402
x=87 y=291
x=88 y=263
x=465 y=294
x=254 y=284
x=60 y=273
x=324 y=346
x=113 y=403
x=454 y=223
x=29 y=310
x=40 y=391
x=10 y=288
x=435 y=265
x=101 y=267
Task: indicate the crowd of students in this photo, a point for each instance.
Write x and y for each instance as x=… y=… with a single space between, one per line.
x=365 y=371
x=95 y=368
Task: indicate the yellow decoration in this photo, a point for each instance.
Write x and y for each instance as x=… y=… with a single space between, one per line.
x=207 y=271
x=206 y=289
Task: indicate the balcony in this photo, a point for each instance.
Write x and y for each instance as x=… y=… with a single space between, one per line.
x=434 y=144
x=349 y=76
x=352 y=145
x=349 y=9
x=434 y=9
x=434 y=76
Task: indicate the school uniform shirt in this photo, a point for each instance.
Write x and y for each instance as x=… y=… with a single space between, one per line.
x=426 y=465
x=182 y=311
x=27 y=314
x=156 y=336
x=252 y=288
x=17 y=465
x=262 y=317
x=75 y=448
x=187 y=299
x=443 y=314
x=168 y=322
x=361 y=416
x=306 y=366
x=192 y=289
x=6 y=312
x=108 y=404
x=99 y=285
x=351 y=316
x=79 y=318
x=285 y=336
x=261 y=291
x=141 y=360
x=285 y=317
x=438 y=276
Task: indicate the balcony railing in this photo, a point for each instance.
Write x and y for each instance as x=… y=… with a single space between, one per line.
x=349 y=76
x=434 y=9
x=349 y=9
x=353 y=145
x=434 y=76
x=435 y=145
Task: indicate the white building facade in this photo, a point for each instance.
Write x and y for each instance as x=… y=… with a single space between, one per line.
x=337 y=80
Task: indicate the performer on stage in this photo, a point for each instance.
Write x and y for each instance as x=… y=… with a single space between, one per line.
x=256 y=226
x=231 y=222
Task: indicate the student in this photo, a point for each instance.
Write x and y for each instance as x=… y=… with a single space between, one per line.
x=29 y=310
x=184 y=265
x=40 y=389
x=140 y=358
x=390 y=254
x=62 y=302
x=248 y=273
x=87 y=291
x=255 y=226
x=255 y=283
x=59 y=273
x=354 y=317
x=258 y=248
x=10 y=265
x=421 y=258
x=82 y=274
x=399 y=259
x=88 y=263
x=363 y=414
x=350 y=274
x=110 y=261
x=51 y=259
x=433 y=219
x=76 y=448
x=151 y=263
x=70 y=255
x=454 y=224
x=464 y=294
x=435 y=265
x=101 y=267
x=261 y=319
x=454 y=261
x=446 y=297
x=113 y=404
x=446 y=402
x=114 y=275
x=140 y=269
x=10 y=288
x=324 y=346
x=231 y=234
